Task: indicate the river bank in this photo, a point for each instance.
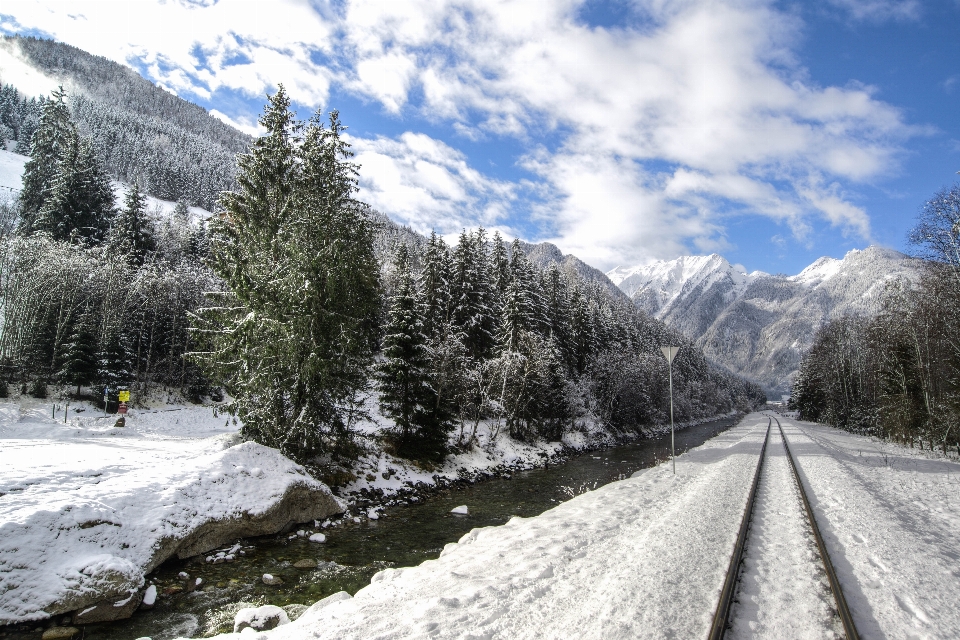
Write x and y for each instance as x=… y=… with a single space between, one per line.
x=366 y=504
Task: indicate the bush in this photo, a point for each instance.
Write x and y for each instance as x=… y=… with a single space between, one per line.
x=39 y=388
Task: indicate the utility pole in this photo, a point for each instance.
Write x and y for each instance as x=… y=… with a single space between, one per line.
x=670 y=353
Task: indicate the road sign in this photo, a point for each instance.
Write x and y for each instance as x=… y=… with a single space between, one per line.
x=122 y=408
x=670 y=353
x=123 y=396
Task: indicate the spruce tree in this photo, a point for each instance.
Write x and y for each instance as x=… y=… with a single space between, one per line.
x=46 y=150
x=132 y=237
x=435 y=290
x=79 y=204
x=403 y=374
x=293 y=335
x=80 y=354
x=473 y=300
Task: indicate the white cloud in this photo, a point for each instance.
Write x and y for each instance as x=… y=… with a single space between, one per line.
x=658 y=130
x=248 y=125
x=427 y=184
x=880 y=10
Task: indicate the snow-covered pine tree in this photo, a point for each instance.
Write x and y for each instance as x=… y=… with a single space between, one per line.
x=556 y=292
x=293 y=336
x=46 y=149
x=403 y=376
x=132 y=236
x=79 y=205
x=114 y=359
x=79 y=359
x=500 y=266
x=435 y=296
x=473 y=303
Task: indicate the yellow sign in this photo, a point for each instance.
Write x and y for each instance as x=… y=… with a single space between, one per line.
x=123 y=396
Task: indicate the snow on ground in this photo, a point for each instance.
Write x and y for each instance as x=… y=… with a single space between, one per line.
x=84 y=505
x=640 y=558
x=646 y=557
x=783 y=590
x=11 y=172
x=890 y=516
x=11 y=181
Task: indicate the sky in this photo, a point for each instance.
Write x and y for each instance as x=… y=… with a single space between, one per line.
x=624 y=132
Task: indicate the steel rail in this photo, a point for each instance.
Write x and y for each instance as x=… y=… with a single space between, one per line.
x=719 y=626
x=842 y=610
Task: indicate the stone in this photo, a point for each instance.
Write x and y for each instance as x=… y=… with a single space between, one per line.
x=306 y=563
x=318 y=537
x=60 y=633
x=108 y=610
x=294 y=611
x=461 y=510
x=271 y=580
x=260 y=618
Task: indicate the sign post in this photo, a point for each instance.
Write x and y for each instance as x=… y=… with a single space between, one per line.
x=670 y=353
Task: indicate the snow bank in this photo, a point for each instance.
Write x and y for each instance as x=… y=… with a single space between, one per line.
x=634 y=559
x=646 y=557
x=86 y=509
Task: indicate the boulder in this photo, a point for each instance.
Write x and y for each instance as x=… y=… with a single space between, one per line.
x=260 y=618
x=271 y=580
x=306 y=563
x=60 y=633
x=108 y=610
x=299 y=504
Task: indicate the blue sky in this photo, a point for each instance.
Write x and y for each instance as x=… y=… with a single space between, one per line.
x=624 y=132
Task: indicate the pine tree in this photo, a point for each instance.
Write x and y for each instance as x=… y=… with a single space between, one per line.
x=79 y=205
x=132 y=237
x=114 y=360
x=403 y=375
x=473 y=294
x=500 y=263
x=46 y=149
x=435 y=298
x=80 y=354
x=293 y=336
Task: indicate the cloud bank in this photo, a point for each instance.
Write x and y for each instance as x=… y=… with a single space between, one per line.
x=638 y=141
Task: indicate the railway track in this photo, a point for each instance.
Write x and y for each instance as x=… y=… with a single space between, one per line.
x=722 y=619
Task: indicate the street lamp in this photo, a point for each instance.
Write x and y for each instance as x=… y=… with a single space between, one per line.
x=670 y=353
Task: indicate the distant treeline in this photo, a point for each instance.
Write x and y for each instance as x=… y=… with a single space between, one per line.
x=897 y=375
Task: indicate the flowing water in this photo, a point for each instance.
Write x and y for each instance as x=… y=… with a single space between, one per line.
x=353 y=552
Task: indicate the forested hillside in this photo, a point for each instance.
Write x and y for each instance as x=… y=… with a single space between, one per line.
x=174 y=149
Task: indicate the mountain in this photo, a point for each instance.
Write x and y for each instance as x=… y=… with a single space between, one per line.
x=173 y=148
x=757 y=324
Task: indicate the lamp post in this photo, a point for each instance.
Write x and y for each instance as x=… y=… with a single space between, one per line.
x=670 y=353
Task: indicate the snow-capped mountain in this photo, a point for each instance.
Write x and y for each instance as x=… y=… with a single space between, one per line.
x=758 y=324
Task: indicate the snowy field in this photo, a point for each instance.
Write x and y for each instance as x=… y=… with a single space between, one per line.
x=645 y=557
x=85 y=507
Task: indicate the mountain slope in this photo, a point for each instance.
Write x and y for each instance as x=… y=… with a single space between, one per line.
x=758 y=324
x=173 y=148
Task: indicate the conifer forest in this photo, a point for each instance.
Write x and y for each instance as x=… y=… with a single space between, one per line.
x=308 y=308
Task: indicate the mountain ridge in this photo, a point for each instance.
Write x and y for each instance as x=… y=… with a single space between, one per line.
x=757 y=324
